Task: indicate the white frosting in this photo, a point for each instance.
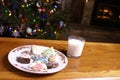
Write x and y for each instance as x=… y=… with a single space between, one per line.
x=48 y=52
x=36 y=49
x=25 y=55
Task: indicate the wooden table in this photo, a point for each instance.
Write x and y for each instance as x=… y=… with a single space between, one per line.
x=98 y=61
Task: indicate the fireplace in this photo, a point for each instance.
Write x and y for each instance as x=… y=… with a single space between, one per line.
x=95 y=12
x=106 y=13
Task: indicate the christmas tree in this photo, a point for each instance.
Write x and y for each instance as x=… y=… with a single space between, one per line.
x=44 y=19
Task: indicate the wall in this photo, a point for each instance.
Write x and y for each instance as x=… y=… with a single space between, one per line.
x=81 y=10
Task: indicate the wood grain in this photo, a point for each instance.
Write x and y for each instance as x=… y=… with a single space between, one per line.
x=98 y=61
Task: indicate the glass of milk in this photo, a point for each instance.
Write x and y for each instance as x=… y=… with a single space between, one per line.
x=75 y=46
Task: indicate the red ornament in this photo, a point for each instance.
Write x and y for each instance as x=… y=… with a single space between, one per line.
x=22 y=20
x=39 y=10
x=43 y=10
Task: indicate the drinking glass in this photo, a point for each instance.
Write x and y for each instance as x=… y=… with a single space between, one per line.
x=75 y=46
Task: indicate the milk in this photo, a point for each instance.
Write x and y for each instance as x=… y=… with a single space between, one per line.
x=75 y=47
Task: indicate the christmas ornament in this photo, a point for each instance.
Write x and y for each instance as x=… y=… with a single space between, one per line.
x=15 y=33
x=43 y=16
x=61 y=23
x=29 y=30
x=10 y=29
x=15 y=6
x=41 y=10
x=59 y=1
x=56 y=5
x=22 y=20
x=39 y=4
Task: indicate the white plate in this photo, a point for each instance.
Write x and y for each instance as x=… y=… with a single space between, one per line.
x=13 y=54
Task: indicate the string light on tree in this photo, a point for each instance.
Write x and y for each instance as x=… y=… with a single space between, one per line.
x=10 y=14
x=15 y=33
x=33 y=18
x=47 y=1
